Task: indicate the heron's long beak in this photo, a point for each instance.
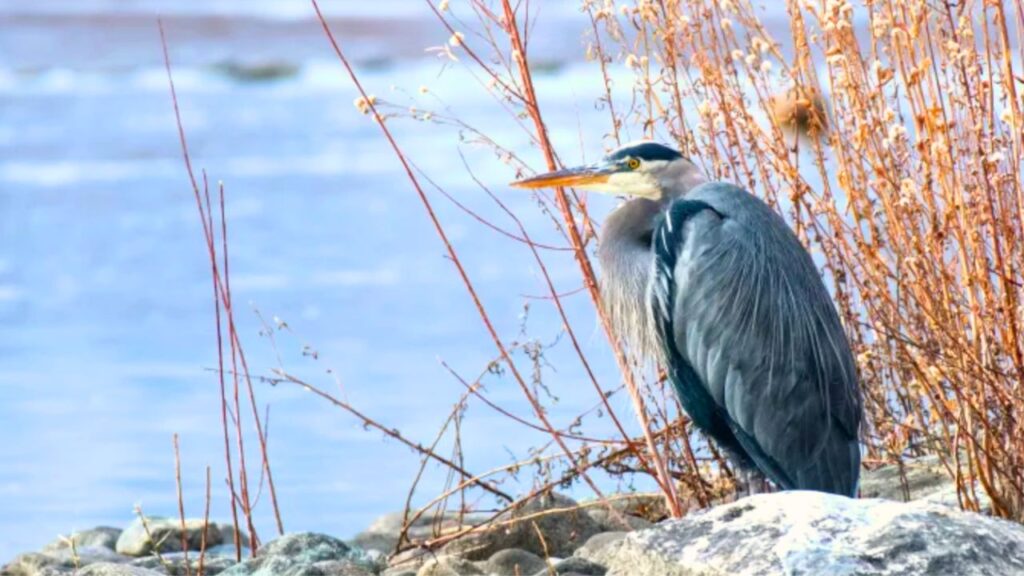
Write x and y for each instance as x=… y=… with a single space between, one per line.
x=579 y=176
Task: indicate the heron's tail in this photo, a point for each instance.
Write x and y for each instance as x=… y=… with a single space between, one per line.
x=836 y=469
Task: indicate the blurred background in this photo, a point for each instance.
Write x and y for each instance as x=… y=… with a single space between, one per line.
x=106 y=316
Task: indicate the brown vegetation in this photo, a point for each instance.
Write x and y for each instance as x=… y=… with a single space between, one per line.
x=908 y=193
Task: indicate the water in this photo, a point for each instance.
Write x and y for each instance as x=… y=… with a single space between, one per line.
x=106 y=320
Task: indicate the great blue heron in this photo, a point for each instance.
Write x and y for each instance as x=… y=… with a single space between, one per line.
x=707 y=279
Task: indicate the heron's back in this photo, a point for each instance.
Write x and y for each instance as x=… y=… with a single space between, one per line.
x=754 y=342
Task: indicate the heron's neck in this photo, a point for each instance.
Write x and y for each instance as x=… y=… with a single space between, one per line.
x=626 y=260
x=679 y=180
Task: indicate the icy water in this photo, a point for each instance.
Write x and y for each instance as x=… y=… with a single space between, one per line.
x=106 y=320
x=106 y=317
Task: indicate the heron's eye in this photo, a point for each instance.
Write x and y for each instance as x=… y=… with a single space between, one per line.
x=633 y=163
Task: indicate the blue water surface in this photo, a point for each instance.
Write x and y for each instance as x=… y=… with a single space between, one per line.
x=106 y=316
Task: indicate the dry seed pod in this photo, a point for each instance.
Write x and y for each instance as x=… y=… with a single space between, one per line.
x=800 y=110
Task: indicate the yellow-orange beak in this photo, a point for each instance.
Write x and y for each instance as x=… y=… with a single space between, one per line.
x=579 y=176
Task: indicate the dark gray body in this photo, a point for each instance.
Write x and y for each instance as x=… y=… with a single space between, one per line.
x=738 y=314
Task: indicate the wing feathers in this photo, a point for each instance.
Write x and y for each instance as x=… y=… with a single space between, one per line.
x=738 y=300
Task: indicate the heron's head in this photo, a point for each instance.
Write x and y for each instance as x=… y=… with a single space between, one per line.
x=643 y=169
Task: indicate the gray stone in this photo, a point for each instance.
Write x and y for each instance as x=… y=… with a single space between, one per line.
x=382 y=535
x=173 y=563
x=575 y=565
x=449 y=566
x=110 y=569
x=63 y=560
x=302 y=554
x=648 y=506
x=410 y=559
x=804 y=532
x=101 y=536
x=609 y=521
x=164 y=535
x=923 y=478
x=597 y=548
x=307 y=547
x=514 y=562
x=381 y=542
x=227 y=532
x=329 y=568
x=227 y=550
x=533 y=526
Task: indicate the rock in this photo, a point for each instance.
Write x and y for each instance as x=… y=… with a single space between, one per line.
x=609 y=522
x=562 y=531
x=924 y=476
x=101 y=536
x=648 y=506
x=514 y=562
x=60 y=561
x=302 y=554
x=227 y=533
x=577 y=566
x=329 y=568
x=110 y=569
x=307 y=547
x=385 y=543
x=597 y=547
x=926 y=479
x=804 y=532
x=382 y=535
x=228 y=551
x=410 y=560
x=448 y=566
x=164 y=534
x=174 y=563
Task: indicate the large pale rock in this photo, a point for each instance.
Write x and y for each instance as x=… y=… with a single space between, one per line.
x=101 y=536
x=547 y=525
x=815 y=533
x=164 y=534
x=60 y=561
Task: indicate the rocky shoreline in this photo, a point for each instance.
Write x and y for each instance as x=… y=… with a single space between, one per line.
x=782 y=533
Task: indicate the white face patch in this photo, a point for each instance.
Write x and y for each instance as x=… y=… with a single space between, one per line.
x=637 y=183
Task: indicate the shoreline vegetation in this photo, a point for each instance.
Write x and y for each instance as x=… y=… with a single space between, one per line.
x=888 y=133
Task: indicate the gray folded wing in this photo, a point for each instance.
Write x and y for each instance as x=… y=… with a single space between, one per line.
x=753 y=320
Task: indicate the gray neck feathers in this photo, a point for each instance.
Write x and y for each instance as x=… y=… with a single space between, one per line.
x=626 y=261
x=679 y=177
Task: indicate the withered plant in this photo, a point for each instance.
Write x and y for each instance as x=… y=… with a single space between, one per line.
x=887 y=132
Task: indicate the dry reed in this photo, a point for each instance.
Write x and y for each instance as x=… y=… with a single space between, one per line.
x=903 y=181
x=888 y=133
